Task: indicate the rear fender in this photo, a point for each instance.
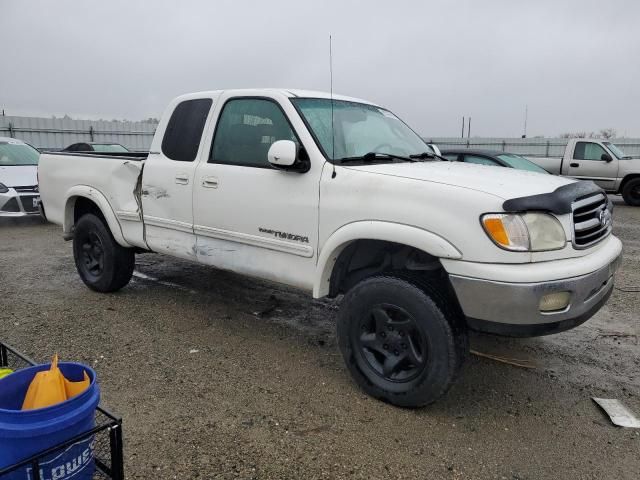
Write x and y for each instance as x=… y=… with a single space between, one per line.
x=103 y=204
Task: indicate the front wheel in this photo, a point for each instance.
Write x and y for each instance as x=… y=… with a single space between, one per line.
x=631 y=192
x=400 y=340
x=103 y=264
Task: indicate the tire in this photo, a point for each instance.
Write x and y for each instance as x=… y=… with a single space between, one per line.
x=103 y=265
x=402 y=342
x=631 y=192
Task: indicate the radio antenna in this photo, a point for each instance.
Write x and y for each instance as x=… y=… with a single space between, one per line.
x=333 y=135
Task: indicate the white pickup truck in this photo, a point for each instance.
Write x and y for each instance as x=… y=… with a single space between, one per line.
x=600 y=161
x=340 y=197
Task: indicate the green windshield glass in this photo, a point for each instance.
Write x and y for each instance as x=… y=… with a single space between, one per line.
x=108 y=147
x=14 y=153
x=617 y=151
x=521 y=163
x=358 y=129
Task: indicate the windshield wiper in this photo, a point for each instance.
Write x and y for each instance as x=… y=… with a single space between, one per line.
x=428 y=156
x=373 y=156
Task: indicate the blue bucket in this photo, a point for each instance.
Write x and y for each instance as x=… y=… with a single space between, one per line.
x=25 y=433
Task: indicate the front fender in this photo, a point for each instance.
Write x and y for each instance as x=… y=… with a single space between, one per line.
x=103 y=204
x=415 y=237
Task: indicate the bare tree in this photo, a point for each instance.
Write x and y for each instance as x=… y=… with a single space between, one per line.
x=582 y=134
x=607 y=133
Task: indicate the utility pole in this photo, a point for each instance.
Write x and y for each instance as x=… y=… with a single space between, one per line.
x=469 y=128
x=462 y=134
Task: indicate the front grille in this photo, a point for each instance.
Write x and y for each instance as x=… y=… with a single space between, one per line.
x=591 y=220
x=27 y=188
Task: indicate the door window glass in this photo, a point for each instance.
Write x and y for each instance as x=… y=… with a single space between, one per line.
x=184 y=130
x=588 y=151
x=479 y=160
x=246 y=129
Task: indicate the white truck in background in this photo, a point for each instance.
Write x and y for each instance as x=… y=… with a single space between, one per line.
x=337 y=196
x=600 y=161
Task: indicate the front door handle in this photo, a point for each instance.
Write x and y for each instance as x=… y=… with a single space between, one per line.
x=574 y=164
x=182 y=179
x=210 y=182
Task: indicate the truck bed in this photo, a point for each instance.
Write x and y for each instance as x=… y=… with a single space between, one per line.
x=111 y=178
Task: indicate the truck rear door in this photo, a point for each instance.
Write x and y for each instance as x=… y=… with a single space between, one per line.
x=167 y=180
x=248 y=216
x=587 y=163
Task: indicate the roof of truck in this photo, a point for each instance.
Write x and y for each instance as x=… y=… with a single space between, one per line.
x=287 y=92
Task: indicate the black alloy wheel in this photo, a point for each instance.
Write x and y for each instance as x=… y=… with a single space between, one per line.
x=92 y=255
x=391 y=343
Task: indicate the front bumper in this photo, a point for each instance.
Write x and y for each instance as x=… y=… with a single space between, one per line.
x=513 y=308
x=19 y=204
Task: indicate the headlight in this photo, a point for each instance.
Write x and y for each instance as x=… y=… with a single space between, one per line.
x=528 y=232
x=3 y=188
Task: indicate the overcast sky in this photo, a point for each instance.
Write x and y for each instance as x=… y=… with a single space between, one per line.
x=576 y=64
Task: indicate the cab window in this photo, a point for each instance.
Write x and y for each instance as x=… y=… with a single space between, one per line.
x=184 y=130
x=588 y=151
x=246 y=129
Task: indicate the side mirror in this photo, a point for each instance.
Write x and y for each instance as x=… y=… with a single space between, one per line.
x=606 y=157
x=282 y=153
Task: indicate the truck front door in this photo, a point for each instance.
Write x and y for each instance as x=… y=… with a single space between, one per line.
x=167 y=180
x=248 y=216
x=587 y=164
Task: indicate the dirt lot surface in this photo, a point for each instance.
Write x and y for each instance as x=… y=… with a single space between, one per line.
x=210 y=389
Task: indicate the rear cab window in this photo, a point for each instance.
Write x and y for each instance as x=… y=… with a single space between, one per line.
x=184 y=130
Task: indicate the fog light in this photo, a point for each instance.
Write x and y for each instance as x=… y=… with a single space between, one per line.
x=552 y=302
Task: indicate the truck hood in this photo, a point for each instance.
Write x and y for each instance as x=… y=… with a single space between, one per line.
x=19 y=175
x=502 y=182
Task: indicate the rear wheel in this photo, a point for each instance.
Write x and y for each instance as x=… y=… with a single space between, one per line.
x=400 y=340
x=631 y=192
x=103 y=264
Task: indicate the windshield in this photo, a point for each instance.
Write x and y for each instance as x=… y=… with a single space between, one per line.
x=521 y=163
x=358 y=129
x=108 y=147
x=617 y=151
x=14 y=153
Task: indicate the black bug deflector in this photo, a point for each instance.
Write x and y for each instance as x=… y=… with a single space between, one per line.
x=559 y=201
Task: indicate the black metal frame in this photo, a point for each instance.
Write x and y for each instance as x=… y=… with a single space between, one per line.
x=110 y=424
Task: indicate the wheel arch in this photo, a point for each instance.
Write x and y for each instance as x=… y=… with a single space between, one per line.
x=85 y=199
x=421 y=240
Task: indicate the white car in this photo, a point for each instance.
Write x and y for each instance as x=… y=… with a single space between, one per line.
x=339 y=196
x=19 y=194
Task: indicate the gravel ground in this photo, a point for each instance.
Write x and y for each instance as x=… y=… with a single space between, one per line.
x=210 y=388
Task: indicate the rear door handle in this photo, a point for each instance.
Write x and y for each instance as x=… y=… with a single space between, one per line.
x=182 y=179
x=574 y=164
x=210 y=182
